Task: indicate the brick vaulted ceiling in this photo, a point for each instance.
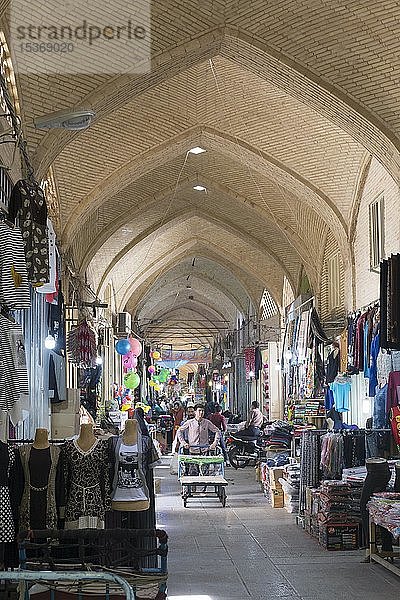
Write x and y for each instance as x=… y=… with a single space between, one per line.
x=288 y=98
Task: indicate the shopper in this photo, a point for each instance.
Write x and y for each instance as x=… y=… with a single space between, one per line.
x=253 y=424
x=178 y=414
x=210 y=408
x=189 y=412
x=218 y=419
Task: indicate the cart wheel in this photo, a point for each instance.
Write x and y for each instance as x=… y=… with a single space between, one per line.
x=223 y=497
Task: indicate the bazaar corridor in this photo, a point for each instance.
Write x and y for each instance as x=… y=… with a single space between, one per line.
x=250 y=551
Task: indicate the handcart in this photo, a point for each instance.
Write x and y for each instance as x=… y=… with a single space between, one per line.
x=202 y=475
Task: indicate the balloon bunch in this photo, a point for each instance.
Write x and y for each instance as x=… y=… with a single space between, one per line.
x=130 y=348
x=122 y=397
x=157 y=379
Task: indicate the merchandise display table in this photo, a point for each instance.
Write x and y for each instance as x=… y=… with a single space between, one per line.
x=384 y=510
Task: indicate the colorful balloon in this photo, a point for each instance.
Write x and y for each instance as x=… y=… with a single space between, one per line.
x=123 y=347
x=136 y=346
x=129 y=360
x=151 y=369
x=164 y=375
x=131 y=381
x=156 y=355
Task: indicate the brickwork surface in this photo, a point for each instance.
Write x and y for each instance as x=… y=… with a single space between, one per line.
x=289 y=99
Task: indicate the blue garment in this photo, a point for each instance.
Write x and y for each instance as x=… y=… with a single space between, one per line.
x=341 y=393
x=379 y=418
x=329 y=399
x=373 y=370
x=366 y=364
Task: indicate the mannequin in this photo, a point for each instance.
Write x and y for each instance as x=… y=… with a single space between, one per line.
x=86 y=439
x=378 y=477
x=84 y=481
x=39 y=462
x=41 y=441
x=130 y=433
x=129 y=485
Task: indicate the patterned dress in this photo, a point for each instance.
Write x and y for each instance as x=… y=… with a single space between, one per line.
x=86 y=484
x=10 y=492
x=28 y=203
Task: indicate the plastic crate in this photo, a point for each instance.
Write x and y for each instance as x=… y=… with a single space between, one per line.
x=339 y=537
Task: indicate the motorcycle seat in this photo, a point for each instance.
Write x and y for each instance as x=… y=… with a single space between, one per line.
x=246 y=438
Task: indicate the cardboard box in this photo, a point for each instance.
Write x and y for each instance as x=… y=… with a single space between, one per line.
x=276 y=497
x=64 y=425
x=72 y=404
x=274 y=474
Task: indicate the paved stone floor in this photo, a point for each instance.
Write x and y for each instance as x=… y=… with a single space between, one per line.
x=249 y=550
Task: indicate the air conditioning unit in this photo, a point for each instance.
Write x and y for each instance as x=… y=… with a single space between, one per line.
x=124 y=323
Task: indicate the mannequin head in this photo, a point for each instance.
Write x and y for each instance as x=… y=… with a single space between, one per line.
x=131 y=426
x=41 y=438
x=86 y=437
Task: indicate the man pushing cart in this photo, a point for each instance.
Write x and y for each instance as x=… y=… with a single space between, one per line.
x=199 y=471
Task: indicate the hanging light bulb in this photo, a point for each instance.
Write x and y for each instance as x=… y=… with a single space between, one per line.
x=288 y=354
x=99 y=360
x=50 y=342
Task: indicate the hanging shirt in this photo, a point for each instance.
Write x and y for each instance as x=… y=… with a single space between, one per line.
x=393 y=397
x=14 y=388
x=373 y=370
x=332 y=365
x=27 y=202
x=341 y=394
x=50 y=286
x=366 y=349
x=14 y=285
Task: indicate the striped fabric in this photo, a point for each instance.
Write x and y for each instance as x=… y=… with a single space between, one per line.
x=13 y=371
x=14 y=286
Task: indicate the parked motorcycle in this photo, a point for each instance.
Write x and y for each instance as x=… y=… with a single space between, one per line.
x=245 y=452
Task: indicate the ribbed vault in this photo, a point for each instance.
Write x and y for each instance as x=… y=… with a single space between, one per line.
x=289 y=111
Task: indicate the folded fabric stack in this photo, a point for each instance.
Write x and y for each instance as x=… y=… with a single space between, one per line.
x=354 y=475
x=280 y=436
x=384 y=510
x=309 y=408
x=279 y=460
x=339 y=502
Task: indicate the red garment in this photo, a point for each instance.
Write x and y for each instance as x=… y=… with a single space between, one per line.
x=359 y=343
x=218 y=420
x=178 y=416
x=395 y=422
x=393 y=394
